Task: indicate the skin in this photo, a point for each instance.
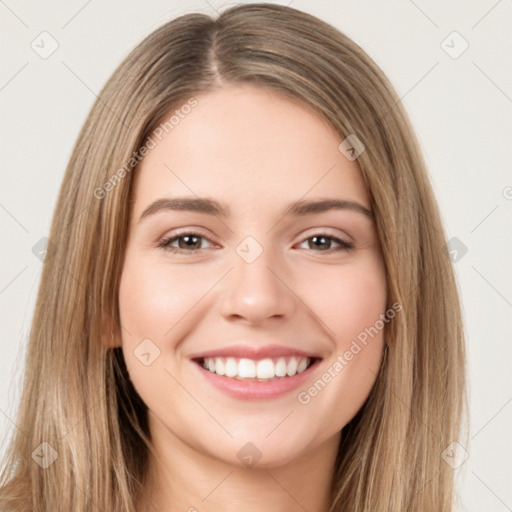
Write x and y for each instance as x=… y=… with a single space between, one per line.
x=257 y=152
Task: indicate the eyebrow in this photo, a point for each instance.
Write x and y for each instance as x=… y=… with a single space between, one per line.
x=211 y=207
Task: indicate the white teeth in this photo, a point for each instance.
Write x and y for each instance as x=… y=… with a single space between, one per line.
x=263 y=369
x=291 y=367
x=280 y=367
x=231 y=367
x=246 y=369
x=219 y=366
x=303 y=364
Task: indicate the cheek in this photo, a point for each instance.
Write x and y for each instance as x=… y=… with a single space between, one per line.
x=154 y=302
x=351 y=300
x=152 y=298
x=348 y=299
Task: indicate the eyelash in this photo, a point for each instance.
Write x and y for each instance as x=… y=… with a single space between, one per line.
x=165 y=243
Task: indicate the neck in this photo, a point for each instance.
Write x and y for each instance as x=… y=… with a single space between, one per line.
x=185 y=479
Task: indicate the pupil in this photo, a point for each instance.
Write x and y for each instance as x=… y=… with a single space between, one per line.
x=188 y=242
x=321 y=241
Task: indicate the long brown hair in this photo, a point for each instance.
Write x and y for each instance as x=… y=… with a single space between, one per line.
x=77 y=396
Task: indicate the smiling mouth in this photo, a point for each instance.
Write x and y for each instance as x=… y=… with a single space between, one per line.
x=256 y=370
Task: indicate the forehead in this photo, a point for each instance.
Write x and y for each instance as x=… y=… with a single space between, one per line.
x=247 y=142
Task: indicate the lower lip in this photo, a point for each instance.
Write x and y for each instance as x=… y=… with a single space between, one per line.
x=250 y=390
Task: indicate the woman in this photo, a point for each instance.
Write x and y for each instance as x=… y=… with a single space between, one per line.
x=249 y=302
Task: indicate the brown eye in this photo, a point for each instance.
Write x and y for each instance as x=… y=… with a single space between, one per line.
x=324 y=243
x=186 y=242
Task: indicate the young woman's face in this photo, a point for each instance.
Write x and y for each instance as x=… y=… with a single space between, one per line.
x=251 y=252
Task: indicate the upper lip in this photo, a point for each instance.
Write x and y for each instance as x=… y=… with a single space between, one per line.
x=254 y=352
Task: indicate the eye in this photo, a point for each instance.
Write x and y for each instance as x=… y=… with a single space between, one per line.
x=184 y=242
x=192 y=242
x=322 y=242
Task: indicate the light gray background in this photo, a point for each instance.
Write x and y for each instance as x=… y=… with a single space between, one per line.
x=461 y=108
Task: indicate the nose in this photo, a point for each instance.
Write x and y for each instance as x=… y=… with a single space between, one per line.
x=257 y=292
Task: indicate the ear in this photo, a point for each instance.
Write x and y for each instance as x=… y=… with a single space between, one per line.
x=110 y=332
